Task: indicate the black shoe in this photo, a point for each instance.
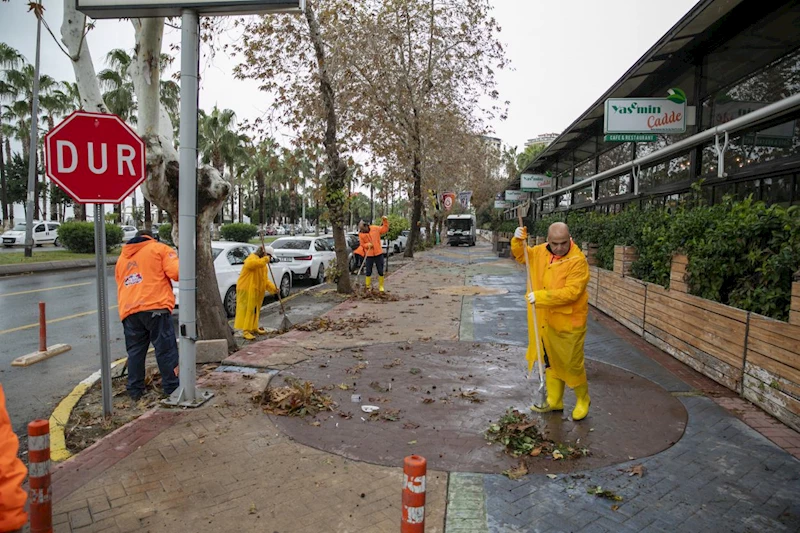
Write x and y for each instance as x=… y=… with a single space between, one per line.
x=135 y=397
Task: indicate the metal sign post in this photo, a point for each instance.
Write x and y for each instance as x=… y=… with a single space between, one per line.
x=187 y=395
x=102 y=306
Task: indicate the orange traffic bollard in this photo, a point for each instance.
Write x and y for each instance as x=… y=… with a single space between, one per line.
x=414 y=470
x=39 y=494
x=42 y=329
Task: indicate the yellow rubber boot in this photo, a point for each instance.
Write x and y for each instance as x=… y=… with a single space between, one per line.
x=248 y=336
x=582 y=402
x=368 y=281
x=555 y=394
x=380 y=283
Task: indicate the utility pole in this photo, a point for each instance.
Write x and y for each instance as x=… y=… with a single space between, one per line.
x=33 y=141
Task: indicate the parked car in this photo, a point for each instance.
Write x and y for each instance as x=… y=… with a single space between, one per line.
x=280 y=230
x=228 y=260
x=128 y=233
x=353 y=261
x=269 y=230
x=307 y=257
x=402 y=239
x=43 y=233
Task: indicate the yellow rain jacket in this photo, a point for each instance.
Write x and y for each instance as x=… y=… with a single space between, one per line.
x=562 y=306
x=254 y=281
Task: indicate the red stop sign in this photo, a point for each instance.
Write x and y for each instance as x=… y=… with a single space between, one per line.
x=95 y=158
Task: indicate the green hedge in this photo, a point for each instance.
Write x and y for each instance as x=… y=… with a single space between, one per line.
x=238 y=232
x=741 y=253
x=78 y=237
x=165 y=234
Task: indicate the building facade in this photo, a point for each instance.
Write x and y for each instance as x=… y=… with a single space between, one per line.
x=738 y=63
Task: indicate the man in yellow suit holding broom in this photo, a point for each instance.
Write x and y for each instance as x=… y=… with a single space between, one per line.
x=559 y=274
x=254 y=281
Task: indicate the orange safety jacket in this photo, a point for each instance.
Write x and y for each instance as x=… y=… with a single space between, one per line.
x=373 y=238
x=12 y=474
x=144 y=272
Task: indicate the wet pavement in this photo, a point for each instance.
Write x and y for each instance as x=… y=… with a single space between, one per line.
x=438 y=399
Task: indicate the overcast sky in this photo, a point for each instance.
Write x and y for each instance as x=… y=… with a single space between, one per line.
x=564 y=55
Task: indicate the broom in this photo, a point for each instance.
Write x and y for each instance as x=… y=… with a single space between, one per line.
x=540 y=397
x=285 y=325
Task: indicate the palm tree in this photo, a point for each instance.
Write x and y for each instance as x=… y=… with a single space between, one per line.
x=10 y=59
x=217 y=140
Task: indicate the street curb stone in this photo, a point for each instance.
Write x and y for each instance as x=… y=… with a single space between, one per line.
x=51 y=266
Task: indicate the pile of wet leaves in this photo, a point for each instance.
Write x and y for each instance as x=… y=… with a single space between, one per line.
x=363 y=293
x=521 y=437
x=296 y=399
x=87 y=424
x=345 y=326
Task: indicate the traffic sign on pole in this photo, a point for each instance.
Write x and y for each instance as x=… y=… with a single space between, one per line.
x=96 y=158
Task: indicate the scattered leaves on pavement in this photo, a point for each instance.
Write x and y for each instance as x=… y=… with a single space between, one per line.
x=376 y=386
x=387 y=415
x=517 y=472
x=635 y=470
x=428 y=400
x=362 y=293
x=296 y=399
x=471 y=395
x=356 y=370
x=521 y=437
x=415 y=371
x=396 y=362
x=410 y=425
x=346 y=326
x=600 y=493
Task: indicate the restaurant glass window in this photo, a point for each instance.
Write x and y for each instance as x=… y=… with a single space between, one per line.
x=721 y=191
x=583 y=195
x=616 y=156
x=777 y=190
x=746 y=189
x=584 y=170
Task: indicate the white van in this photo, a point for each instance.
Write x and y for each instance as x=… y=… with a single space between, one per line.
x=43 y=233
x=461 y=230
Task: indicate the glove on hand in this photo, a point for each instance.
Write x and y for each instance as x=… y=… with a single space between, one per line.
x=521 y=233
x=531 y=298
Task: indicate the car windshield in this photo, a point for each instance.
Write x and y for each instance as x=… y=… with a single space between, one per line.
x=291 y=244
x=215 y=252
x=19 y=227
x=460 y=223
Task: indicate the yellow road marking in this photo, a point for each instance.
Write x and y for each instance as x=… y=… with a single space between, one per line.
x=60 y=416
x=53 y=321
x=47 y=289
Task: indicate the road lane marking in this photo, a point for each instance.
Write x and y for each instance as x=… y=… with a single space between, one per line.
x=53 y=321
x=47 y=289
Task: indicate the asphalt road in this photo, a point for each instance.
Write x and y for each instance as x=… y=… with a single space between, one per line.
x=71 y=310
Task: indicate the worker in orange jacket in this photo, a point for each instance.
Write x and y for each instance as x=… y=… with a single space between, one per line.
x=12 y=474
x=144 y=274
x=370 y=239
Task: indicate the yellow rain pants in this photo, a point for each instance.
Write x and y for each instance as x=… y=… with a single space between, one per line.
x=562 y=307
x=253 y=283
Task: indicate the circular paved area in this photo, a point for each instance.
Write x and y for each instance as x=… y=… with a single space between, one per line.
x=422 y=410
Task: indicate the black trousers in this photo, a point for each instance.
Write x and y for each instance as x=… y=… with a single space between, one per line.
x=376 y=261
x=141 y=330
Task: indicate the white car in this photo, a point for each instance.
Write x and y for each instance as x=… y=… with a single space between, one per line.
x=228 y=260
x=128 y=233
x=43 y=233
x=307 y=257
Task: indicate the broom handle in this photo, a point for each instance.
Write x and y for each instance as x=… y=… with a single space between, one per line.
x=272 y=275
x=533 y=306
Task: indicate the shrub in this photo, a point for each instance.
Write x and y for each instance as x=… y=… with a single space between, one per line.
x=165 y=234
x=78 y=237
x=397 y=224
x=239 y=232
x=741 y=253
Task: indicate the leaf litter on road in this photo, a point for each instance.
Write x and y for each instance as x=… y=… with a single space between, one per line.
x=296 y=399
x=601 y=493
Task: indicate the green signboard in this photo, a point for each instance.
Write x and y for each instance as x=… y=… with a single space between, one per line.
x=631 y=137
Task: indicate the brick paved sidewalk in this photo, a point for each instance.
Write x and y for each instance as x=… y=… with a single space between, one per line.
x=226 y=467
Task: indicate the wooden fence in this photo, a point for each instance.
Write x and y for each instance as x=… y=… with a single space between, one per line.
x=756 y=356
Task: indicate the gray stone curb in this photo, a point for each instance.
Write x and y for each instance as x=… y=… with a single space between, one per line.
x=50 y=266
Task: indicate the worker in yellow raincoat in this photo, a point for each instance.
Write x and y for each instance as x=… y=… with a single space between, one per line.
x=560 y=274
x=254 y=281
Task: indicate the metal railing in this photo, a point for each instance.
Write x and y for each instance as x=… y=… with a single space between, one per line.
x=766 y=114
